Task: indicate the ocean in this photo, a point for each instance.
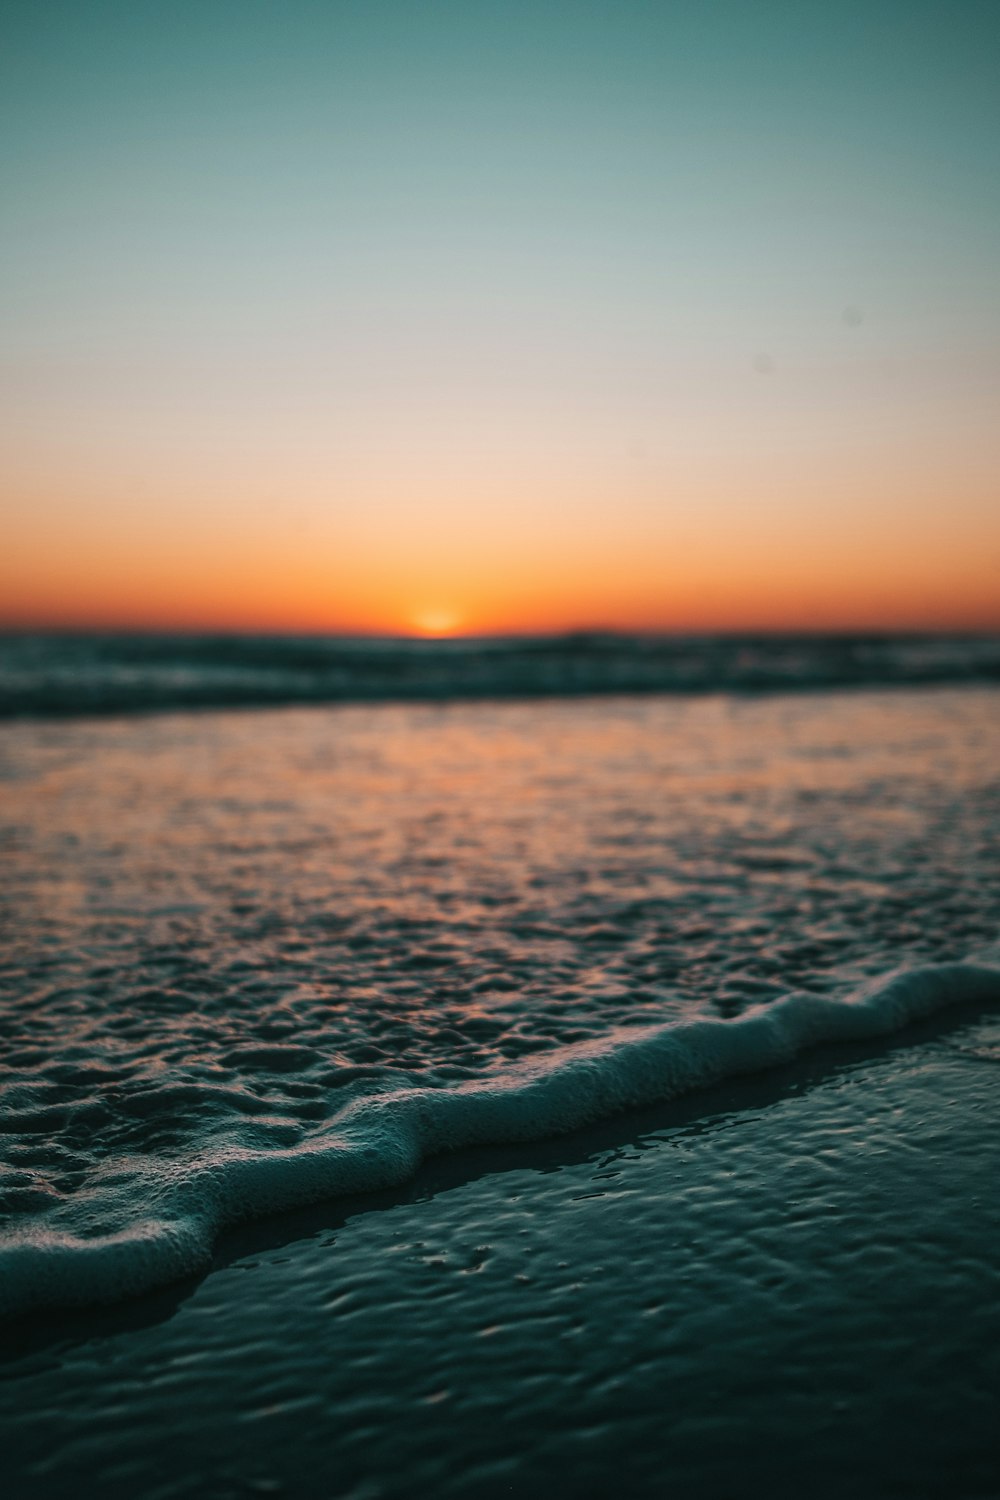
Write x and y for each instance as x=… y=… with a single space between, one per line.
x=54 y=674
x=500 y=1068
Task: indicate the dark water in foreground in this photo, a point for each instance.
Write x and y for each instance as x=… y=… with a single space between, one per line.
x=788 y=1287
x=255 y=961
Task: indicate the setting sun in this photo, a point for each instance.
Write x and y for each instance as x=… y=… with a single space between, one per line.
x=436 y=621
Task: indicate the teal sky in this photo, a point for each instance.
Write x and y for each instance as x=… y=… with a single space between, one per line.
x=416 y=270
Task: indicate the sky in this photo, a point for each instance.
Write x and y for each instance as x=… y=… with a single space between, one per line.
x=481 y=317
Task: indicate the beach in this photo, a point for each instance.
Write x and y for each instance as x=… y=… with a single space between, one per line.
x=503 y=1097
x=499 y=728
x=789 y=1285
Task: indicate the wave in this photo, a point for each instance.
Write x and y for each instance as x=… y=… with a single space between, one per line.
x=47 y=675
x=147 y=1221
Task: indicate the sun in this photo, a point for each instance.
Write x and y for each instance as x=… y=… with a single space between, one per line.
x=436 y=620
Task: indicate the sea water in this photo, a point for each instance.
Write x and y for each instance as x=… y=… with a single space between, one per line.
x=785 y=1284
x=63 y=674
x=255 y=960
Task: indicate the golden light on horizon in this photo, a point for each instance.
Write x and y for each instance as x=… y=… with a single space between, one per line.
x=302 y=357
x=436 y=620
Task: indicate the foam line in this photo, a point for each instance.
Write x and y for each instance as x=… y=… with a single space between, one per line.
x=145 y=1223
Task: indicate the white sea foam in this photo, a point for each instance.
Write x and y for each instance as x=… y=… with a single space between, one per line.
x=147 y=1220
x=255 y=960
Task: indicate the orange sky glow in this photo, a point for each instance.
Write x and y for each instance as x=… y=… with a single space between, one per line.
x=780 y=549
x=426 y=323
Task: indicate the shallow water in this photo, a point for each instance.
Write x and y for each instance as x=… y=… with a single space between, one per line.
x=223 y=931
x=787 y=1286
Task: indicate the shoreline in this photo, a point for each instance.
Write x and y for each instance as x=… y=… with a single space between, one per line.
x=381 y=1140
x=816 y=1246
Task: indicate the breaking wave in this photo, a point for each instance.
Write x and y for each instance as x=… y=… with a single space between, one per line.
x=145 y=1220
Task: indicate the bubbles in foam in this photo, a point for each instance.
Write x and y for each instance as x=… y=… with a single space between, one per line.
x=252 y=960
x=141 y=1227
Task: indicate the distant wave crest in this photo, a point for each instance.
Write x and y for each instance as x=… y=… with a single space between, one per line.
x=47 y=675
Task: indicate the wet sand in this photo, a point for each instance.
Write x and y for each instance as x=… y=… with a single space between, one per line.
x=789 y=1285
x=241 y=950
